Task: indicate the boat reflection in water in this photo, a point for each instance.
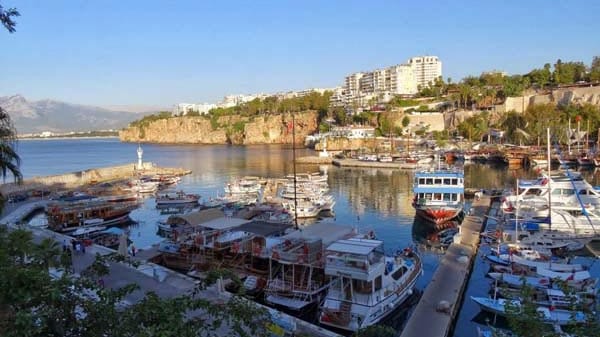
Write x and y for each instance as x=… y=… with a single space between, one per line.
x=434 y=238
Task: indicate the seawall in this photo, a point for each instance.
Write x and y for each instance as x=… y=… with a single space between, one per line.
x=80 y=178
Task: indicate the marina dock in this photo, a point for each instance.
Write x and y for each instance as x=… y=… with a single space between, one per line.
x=434 y=314
x=78 y=179
x=373 y=164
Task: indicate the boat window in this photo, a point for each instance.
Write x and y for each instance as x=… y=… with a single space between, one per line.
x=398 y=273
x=437 y=196
x=438 y=181
x=454 y=181
x=447 y=181
x=361 y=286
x=447 y=197
x=568 y=191
x=421 y=181
x=454 y=197
x=377 y=283
x=583 y=192
x=428 y=196
x=556 y=191
x=429 y=181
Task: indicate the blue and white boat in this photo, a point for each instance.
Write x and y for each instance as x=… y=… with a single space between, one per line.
x=549 y=315
x=439 y=194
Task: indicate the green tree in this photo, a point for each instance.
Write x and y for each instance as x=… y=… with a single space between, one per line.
x=375 y=331
x=7 y=20
x=594 y=75
x=34 y=302
x=541 y=77
x=474 y=127
x=569 y=72
x=514 y=124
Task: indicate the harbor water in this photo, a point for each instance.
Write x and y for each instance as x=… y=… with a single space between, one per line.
x=370 y=199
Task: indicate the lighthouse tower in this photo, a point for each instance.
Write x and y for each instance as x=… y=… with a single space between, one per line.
x=140 y=152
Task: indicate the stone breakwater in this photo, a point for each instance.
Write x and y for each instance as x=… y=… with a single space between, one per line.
x=77 y=179
x=238 y=130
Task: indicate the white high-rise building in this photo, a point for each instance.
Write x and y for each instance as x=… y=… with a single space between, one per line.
x=352 y=83
x=401 y=80
x=426 y=69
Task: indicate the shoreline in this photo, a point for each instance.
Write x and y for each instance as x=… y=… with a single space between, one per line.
x=65 y=137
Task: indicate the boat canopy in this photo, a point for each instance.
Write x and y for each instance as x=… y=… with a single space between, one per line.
x=437 y=189
x=354 y=246
x=113 y=230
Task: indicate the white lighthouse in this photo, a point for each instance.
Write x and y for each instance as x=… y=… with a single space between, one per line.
x=140 y=153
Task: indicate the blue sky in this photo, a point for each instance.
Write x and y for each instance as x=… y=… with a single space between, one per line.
x=162 y=52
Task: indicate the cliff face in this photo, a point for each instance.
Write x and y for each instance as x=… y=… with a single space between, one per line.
x=267 y=129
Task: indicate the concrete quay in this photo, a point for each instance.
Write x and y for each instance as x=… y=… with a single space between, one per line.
x=430 y=318
x=78 y=179
x=373 y=164
x=150 y=277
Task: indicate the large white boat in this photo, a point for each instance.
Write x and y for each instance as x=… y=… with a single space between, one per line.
x=439 y=194
x=562 y=188
x=366 y=285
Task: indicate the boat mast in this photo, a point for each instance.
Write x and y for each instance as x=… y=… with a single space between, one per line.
x=517 y=214
x=587 y=138
x=568 y=137
x=294 y=164
x=550 y=175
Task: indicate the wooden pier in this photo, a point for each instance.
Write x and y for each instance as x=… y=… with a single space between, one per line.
x=434 y=314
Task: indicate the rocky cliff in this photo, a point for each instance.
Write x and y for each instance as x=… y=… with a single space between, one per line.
x=239 y=130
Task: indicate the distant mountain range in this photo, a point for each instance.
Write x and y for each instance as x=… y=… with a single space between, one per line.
x=56 y=116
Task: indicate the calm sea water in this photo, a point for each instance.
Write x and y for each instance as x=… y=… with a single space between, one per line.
x=378 y=199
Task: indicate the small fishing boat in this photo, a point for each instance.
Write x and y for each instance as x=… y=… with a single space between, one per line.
x=176 y=198
x=550 y=316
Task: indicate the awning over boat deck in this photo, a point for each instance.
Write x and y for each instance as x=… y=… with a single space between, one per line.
x=199 y=217
x=113 y=230
x=264 y=229
x=327 y=232
x=354 y=246
x=223 y=223
x=438 y=189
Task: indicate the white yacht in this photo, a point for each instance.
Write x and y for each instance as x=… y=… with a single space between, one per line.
x=366 y=286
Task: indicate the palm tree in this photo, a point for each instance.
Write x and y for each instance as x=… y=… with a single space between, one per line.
x=20 y=244
x=9 y=159
x=46 y=253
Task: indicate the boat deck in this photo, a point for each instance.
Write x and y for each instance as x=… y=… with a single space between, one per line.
x=450 y=278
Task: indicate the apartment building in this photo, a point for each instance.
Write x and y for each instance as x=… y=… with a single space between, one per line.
x=183 y=109
x=352 y=83
x=426 y=69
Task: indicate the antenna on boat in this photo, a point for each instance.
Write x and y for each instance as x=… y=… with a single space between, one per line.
x=517 y=214
x=550 y=177
x=294 y=165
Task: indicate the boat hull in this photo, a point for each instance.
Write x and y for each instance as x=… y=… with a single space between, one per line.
x=438 y=216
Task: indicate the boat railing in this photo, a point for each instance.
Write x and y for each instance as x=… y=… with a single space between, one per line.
x=352 y=265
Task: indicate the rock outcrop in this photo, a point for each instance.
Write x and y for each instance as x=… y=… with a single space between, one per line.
x=239 y=130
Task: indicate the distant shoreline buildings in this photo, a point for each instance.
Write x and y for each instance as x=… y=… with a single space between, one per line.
x=360 y=90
